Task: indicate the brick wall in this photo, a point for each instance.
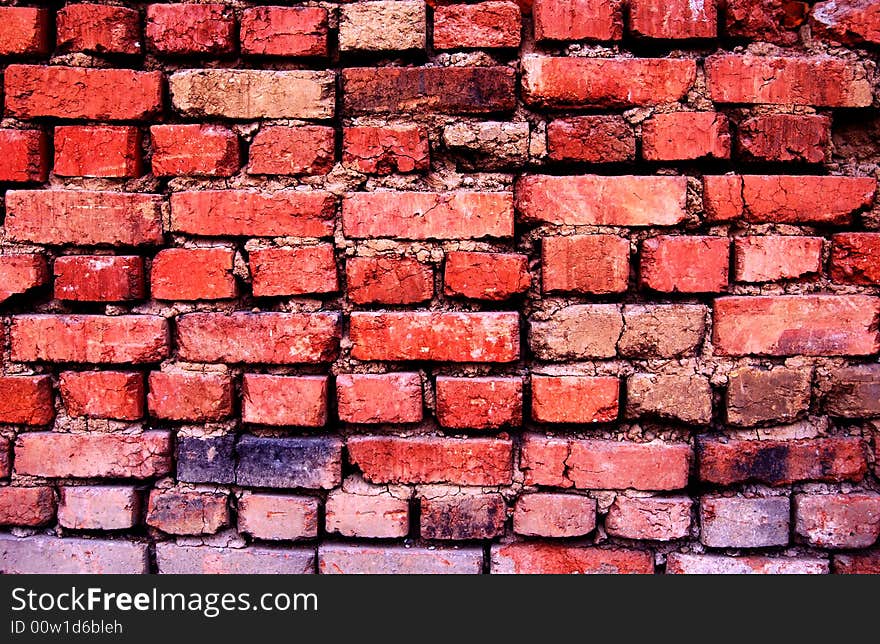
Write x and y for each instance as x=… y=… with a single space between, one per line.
x=578 y=286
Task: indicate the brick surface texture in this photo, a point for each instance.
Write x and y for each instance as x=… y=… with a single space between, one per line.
x=395 y=286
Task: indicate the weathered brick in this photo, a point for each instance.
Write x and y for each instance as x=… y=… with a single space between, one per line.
x=280 y=150
x=479 y=403
x=289 y=462
x=293 y=271
x=26 y=400
x=26 y=506
x=208 y=459
x=592 y=139
x=397 y=560
x=778 y=462
x=649 y=518
x=82 y=93
x=486 y=276
x=194 y=150
x=813 y=325
x=189 y=396
x=578 y=19
x=585 y=264
x=676 y=136
x=485 y=25
x=854 y=392
x=685 y=564
x=575 y=399
x=284 y=31
x=193 y=274
x=299 y=401
x=851 y=22
x=50 y=555
x=382 y=25
x=775 y=21
x=673 y=19
x=838 y=520
x=687 y=398
x=777 y=395
x=551 y=559
x=388 y=280
x=554 y=515
x=103 y=394
x=865 y=563
x=576 y=332
x=186 y=29
x=58 y=455
x=662 y=330
x=417 y=335
x=488 y=145
x=457 y=514
x=173 y=559
x=278 y=517
x=770 y=258
x=24 y=156
x=784 y=137
x=98 y=29
x=685 y=264
x=89 y=338
x=99 y=278
x=5 y=458
x=379 y=398
x=384 y=150
x=21 y=273
x=366 y=512
x=604 y=464
x=99 y=507
x=736 y=522
x=274 y=338
x=120 y=148
x=250 y=94
x=25 y=31
x=723 y=197
x=593 y=200
x=854 y=258
x=83 y=217
x=453 y=90
x=607 y=82
x=472 y=461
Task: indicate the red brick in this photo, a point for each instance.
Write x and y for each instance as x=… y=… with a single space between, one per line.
x=298 y=401
x=604 y=464
x=173 y=559
x=683 y=397
x=5 y=458
x=779 y=394
x=427 y=215
x=578 y=19
x=486 y=276
x=51 y=555
x=593 y=200
x=26 y=506
x=678 y=136
x=134 y=339
x=57 y=455
x=190 y=396
x=575 y=399
x=838 y=520
x=103 y=394
x=284 y=31
x=82 y=93
x=20 y=273
x=75 y=148
x=551 y=559
x=662 y=330
x=649 y=518
x=379 y=398
x=460 y=515
x=682 y=264
x=605 y=82
x=377 y=515
x=822 y=81
x=278 y=517
x=479 y=403
x=585 y=264
x=736 y=522
x=99 y=507
x=99 y=278
x=24 y=156
x=576 y=332
x=554 y=515
x=482 y=25
x=193 y=274
x=358 y=559
x=863 y=563
x=854 y=392
x=26 y=400
x=781 y=462
x=462 y=461
x=592 y=139
x=673 y=19
x=785 y=137
x=293 y=271
x=83 y=217
x=855 y=258
x=272 y=338
x=770 y=258
x=194 y=150
x=775 y=21
x=426 y=335
x=187 y=512
x=684 y=564
x=851 y=22
x=813 y=325
x=388 y=280
x=723 y=197
x=452 y=90
x=25 y=31
x=384 y=150
x=253 y=213
x=99 y=29
x=281 y=150
x=181 y=29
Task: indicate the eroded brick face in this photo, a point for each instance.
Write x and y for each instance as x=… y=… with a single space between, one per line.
x=387 y=286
